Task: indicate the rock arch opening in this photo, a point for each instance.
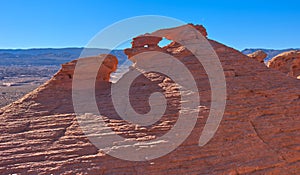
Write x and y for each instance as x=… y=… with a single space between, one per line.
x=164 y=42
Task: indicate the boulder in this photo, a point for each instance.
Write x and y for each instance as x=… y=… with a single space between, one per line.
x=258 y=55
x=287 y=62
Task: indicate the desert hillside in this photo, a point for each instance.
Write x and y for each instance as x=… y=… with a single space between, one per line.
x=259 y=132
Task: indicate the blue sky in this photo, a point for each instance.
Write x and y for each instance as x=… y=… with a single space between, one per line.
x=72 y=23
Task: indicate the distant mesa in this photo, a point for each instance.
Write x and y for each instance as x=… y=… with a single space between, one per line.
x=271 y=53
x=53 y=57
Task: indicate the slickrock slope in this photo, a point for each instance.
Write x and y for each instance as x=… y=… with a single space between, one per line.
x=258 y=55
x=259 y=133
x=287 y=62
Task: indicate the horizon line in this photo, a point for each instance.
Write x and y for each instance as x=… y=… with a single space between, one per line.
x=76 y=47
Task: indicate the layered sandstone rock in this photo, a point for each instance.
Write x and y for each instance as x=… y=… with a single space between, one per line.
x=259 y=133
x=109 y=65
x=148 y=42
x=143 y=43
x=258 y=55
x=287 y=62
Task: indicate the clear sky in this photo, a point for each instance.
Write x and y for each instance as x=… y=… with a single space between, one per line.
x=72 y=23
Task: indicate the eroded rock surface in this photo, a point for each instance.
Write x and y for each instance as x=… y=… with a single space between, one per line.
x=149 y=42
x=258 y=55
x=259 y=133
x=287 y=62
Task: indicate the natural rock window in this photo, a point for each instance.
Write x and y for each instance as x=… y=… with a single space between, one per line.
x=164 y=42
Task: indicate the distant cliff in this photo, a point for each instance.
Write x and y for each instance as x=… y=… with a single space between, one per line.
x=50 y=56
x=38 y=57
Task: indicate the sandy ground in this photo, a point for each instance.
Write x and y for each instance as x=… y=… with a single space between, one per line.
x=13 y=93
x=17 y=81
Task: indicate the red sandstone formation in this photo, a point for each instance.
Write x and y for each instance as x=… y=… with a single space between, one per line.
x=259 y=133
x=143 y=43
x=149 y=42
x=287 y=62
x=258 y=55
x=109 y=65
